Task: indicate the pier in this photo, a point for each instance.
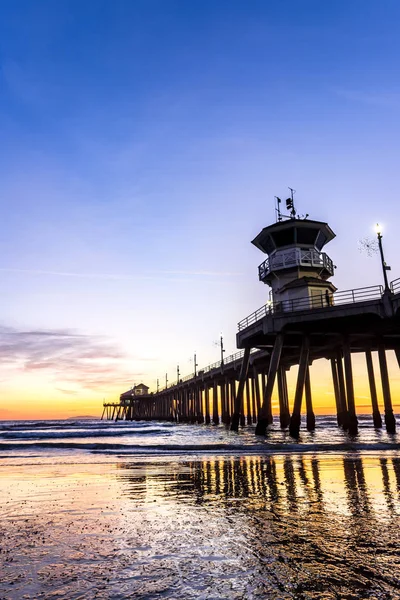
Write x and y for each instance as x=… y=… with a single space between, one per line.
x=306 y=319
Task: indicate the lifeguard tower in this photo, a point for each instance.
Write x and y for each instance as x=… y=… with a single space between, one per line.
x=296 y=268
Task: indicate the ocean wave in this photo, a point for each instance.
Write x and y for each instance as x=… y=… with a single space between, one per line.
x=244 y=449
x=84 y=425
x=78 y=433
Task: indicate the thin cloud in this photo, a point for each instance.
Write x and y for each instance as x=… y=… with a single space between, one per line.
x=154 y=275
x=67 y=392
x=68 y=357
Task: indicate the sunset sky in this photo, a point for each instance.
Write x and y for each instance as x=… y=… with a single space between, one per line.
x=142 y=144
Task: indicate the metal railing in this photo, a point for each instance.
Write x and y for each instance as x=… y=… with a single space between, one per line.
x=229 y=360
x=314 y=302
x=395 y=286
x=295 y=257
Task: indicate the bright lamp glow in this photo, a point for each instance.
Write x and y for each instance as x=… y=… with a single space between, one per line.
x=378 y=228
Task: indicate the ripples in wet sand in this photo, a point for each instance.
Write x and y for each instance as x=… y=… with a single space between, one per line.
x=249 y=527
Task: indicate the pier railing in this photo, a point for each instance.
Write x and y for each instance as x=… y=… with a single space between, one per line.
x=395 y=286
x=295 y=257
x=228 y=361
x=315 y=302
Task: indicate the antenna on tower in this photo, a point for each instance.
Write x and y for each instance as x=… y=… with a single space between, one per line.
x=290 y=204
x=278 y=209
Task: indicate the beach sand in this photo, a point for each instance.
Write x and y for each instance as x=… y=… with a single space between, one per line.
x=214 y=527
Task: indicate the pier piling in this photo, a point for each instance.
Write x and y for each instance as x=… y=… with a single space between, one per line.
x=390 y=421
x=284 y=414
x=265 y=411
x=376 y=415
x=336 y=391
x=310 y=419
x=348 y=369
x=295 y=420
x=342 y=390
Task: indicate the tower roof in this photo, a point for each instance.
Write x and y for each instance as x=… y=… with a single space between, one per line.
x=293 y=232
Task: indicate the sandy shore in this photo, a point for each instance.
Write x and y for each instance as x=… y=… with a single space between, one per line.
x=288 y=527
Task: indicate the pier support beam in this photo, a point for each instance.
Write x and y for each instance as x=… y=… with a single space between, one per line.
x=310 y=412
x=224 y=402
x=336 y=390
x=227 y=402
x=253 y=398
x=342 y=391
x=215 y=403
x=348 y=369
x=232 y=389
x=248 y=402
x=284 y=414
x=273 y=368
x=376 y=415
x=295 y=420
x=390 y=421
x=239 y=396
x=257 y=393
x=199 y=398
x=207 y=403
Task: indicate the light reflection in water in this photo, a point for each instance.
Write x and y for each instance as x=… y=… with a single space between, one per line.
x=276 y=527
x=308 y=527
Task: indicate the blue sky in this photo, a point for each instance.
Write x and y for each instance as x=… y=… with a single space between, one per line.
x=143 y=143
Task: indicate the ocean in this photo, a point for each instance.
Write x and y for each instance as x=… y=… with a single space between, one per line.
x=149 y=510
x=82 y=440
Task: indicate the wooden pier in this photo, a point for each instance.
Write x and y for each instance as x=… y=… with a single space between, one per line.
x=307 y=319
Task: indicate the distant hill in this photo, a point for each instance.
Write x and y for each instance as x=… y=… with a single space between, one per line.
x=81 y=418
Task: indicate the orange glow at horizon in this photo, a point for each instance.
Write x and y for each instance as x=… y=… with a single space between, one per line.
x=33 y=396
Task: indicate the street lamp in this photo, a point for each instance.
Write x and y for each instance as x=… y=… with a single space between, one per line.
x=177 y=373
x=385 y=267
x=222 y=350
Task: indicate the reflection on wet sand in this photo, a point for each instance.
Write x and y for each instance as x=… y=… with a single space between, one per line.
x=284 y=527
x=310 y=527
x=286 y=482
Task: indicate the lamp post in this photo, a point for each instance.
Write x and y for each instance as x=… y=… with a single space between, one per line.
x=195 y=365
x=166 y=380
x=177 y=373
x=157 y=385
x=222 y=350
x=385 y=267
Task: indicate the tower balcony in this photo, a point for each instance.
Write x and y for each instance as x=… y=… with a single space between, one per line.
x=295 y=257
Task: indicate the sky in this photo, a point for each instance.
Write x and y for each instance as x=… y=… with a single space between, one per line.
x=143 y=142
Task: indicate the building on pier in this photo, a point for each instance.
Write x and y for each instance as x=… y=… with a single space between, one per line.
x=130 y=403
x=296 y=268
x=137 y=390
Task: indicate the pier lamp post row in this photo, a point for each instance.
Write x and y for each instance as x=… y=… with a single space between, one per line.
x=304 y=319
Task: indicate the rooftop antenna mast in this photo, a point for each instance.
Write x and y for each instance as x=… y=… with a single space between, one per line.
x=290 y=204
x=278 y=209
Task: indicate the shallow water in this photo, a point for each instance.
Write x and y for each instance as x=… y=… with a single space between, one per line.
x=254 y=519
x=53 y=440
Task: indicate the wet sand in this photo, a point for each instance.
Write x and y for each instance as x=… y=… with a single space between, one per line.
x=250 y=527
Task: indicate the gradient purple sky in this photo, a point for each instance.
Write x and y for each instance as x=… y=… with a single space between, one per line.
x=142 y=145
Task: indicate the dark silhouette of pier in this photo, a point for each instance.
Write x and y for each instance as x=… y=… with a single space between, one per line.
x=306 y=319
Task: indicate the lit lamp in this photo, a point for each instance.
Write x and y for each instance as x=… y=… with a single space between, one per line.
x=385 y=267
